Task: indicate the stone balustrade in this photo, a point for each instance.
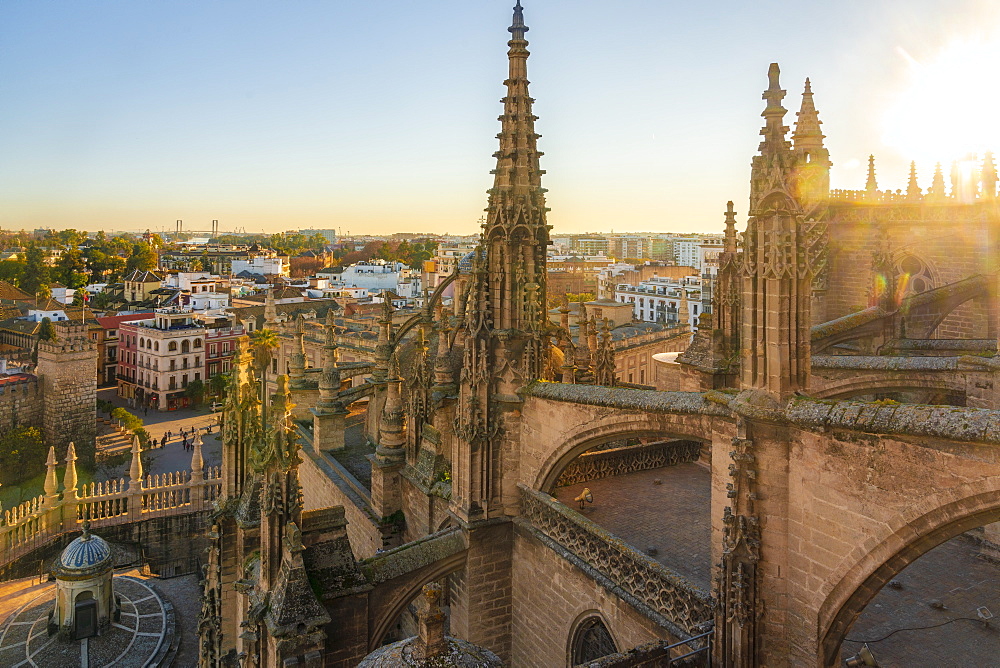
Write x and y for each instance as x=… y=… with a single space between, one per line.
x=619 y=461
x=38 y=521
x=678 y=604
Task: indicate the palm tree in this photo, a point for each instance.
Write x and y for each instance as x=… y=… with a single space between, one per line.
x=263 y=343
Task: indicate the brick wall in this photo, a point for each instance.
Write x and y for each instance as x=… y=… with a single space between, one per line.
x=551 y=596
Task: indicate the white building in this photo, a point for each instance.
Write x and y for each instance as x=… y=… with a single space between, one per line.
x=379 y=275
x=262 y=264
x=661 y=299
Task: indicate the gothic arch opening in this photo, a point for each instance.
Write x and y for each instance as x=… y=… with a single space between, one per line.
x=590 y=640
x=651 y=490
x=865 y=581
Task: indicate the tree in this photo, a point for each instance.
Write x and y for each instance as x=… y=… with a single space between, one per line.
x=22 y=454
x=217 y=385
x=12 y=271
x=143 y=258
x=195 y=391
x=36 y=273
x=43 y=293
x=263 y=343
x=47 y=332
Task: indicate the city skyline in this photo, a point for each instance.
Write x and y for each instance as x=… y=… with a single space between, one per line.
x=377 y=119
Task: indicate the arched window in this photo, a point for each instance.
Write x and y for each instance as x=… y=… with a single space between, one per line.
x=197 y=343
x=185 y=346
x=591 y=641
x=172 y=346
x=156 y=345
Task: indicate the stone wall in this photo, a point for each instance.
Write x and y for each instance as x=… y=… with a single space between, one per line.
x=948 y=239
x=836 y=506
x=20 y=404
x=67 y=368
x=551 y=596
x=322 y=487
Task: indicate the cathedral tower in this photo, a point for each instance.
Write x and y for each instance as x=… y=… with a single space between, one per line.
x=783 y=251
x=506 y=322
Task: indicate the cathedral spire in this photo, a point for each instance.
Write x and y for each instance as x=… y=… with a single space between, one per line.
x=936 y=191
x=517 y=169
x=807 y=132
x=871 y=185
x=774 y=129
x=772 y=170
x=912 y=188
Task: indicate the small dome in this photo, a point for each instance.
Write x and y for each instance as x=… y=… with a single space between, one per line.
x=86 y=554
x=459 y=654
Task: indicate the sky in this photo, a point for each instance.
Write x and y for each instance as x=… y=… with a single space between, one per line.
x=381 y=117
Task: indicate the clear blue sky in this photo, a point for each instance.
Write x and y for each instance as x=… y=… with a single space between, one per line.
x=381 y=116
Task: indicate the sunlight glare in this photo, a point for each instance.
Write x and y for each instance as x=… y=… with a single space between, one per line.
x=947 y=110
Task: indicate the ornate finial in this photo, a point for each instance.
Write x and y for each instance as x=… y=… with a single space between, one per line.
x=431 y=641
x=730 y=239
x=937 y=185
x=518 y=23
x=86 y=531
x=912 y=188
x=51 y=484
x=774 y=114
x=807 y=133
x=871 y=185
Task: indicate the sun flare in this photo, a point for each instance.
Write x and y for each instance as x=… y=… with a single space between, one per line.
x=948 y=109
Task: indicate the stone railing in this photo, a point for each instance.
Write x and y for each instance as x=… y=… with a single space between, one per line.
x=642 y=581
x=619 y=461
x=36 y=522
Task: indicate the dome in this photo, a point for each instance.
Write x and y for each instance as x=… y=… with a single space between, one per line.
x=431 y=647
x=88 y=554
x=459 y=653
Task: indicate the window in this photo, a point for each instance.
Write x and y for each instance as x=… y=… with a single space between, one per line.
x=225 y=347
x=213 y=349
x=172 y=346
x=197 y=375
x=156 y=345
x=197 y=360
x=197 y=343
x=184 y=380
x=185 y=346
x=591 y=641
x=213 y=369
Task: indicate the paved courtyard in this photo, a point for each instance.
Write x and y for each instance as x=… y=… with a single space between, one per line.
x=171 y=457
x=674 y=517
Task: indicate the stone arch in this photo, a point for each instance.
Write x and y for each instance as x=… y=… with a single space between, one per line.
x=185 y=346
x=589 y=623
x=846 y=388
x=663 y=426
x=873 y=564
x=389 y=599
